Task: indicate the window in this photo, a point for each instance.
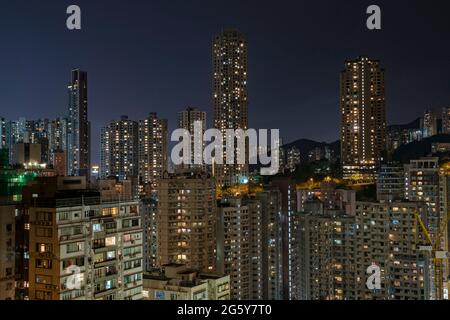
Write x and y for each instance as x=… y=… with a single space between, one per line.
x=90 y=213
x=43 y=263
x=44 y=232
x=63 y=216
x=97 y=227
x=133 y=209
x=43 y=279
x=223 y=287
x=110 y=225
x=99 y=258
x=131 y=237
x=110 y=255
x=44 y=216
x=43 y=295
x=99 y=243
x=74 y=247
x=106 y=212
x=111 y=241
x=199 y=295
x=79 y=261
x=65 y=232
x=43 y=247
x=131 y=251
x=109 y=285
x=77 y=230
x=132 y=264
x=130 y=223
x=132 y=278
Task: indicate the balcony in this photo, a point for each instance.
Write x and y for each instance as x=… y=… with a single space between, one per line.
x=71 y=237
x=133 y=284
x=103 y=273
x=103 y=291
x=104 y=263
x=134 y=270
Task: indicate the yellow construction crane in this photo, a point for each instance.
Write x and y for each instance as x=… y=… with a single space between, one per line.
x=439 y=256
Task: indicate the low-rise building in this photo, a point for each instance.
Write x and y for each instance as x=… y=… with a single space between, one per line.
x=178 y=282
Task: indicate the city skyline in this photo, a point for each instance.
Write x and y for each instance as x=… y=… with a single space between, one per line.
x=284 y=85
x=150 y=183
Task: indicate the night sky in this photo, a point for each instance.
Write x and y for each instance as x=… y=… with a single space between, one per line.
x=155 y=56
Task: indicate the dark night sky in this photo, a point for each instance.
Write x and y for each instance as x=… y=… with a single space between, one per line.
x=145 y=56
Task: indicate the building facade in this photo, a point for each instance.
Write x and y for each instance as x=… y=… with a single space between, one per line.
x=82 y=244
x=186 y=221
x=336 y=251
x=239 y=247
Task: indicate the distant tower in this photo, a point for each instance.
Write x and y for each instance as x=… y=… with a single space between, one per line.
x=78 y=135
x=119 y=149
x=230 y=95
x=429 y=124
x=3 y=133
x=446 y=120
x=186 y=120
x=153 y=149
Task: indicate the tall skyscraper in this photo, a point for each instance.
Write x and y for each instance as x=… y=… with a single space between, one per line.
x=186 y=120
x=119 y=149
x=363 y=126
x=152 y=149
x=79 y=155
x=230 y=96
